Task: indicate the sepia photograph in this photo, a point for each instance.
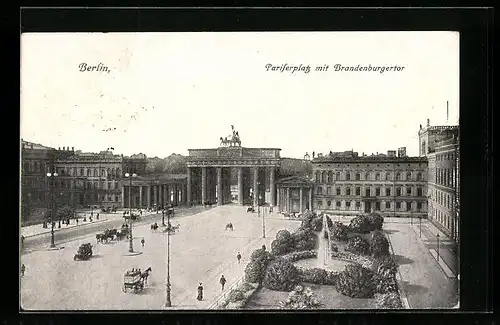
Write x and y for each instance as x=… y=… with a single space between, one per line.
x=241 y=171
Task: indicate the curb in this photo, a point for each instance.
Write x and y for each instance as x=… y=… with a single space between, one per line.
x=62 y=228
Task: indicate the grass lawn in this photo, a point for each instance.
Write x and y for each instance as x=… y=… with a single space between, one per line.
x=331 y=299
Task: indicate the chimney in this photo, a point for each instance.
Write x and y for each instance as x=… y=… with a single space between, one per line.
x=428 y=122
x=72 y=148
x=58 y=148
x=420 y=126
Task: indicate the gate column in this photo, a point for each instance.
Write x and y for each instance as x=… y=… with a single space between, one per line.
x=219 y=186
x=203 y=185
x=272 y=188
x=240 y=185
x=255 y=186
x=188 y=188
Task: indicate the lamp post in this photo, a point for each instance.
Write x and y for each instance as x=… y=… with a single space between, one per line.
x=51 y=177
x=437 y=247
x=263 y=224
x=420 y=226
x=131 y=240
x=411 y=217
x=168 y=302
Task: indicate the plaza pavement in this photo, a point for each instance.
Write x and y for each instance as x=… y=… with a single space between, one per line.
x=201 y=251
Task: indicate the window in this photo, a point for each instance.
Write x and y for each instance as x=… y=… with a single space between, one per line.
x=323 y=177
x=408 y=191
x=367 y=192
x=109 y=186
x=358 y=205
x=319 y=204
x=398 y=176
x=387 y=205
x=358 y=176
x=329 y=190
x=116 y=185
x=330 y=177
x=95 y=185
x=337 y=176
x=408 y=206
x=319 y=190
x=387 y=192
x=82 y=173
x=377 y=176
x=419 y=206
x=348 y=204
x=318 y=177
x=419 y=191
x=328 y=203
x=338 y=190
x=358 y=191
x=338 y=204
x=408 y=176
x=398 y=191
x=348 y=191
x=398 y=205
x=88 y=172
x=367 y=176
x=348 y=176
x=377 y=191
x=388 y=176
x=377 y=206
x=419 y=177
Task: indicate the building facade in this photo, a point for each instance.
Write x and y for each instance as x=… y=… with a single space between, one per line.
x=440 y=144
x=349 y=184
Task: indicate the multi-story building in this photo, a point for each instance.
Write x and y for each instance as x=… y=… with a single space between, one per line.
x=441 y=146
x=36 y=161
x=349 y=184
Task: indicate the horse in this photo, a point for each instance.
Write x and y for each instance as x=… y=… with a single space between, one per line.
x=120 y=235
x=229 y=226
x=250 y=209
x=154 y=227
x=145 y=275
x=99 y=238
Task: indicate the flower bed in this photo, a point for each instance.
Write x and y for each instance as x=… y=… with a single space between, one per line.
x=301 y=255
x=239 y=296
x=318 y=276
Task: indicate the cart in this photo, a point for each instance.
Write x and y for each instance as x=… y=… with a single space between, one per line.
x=132 y=281
x=84 y=252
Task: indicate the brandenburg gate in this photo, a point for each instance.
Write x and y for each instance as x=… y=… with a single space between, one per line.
x=209 y=174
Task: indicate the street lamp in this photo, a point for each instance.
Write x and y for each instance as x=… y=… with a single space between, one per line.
x=420 y=225
x=51 y=177
x=131 y=240
x=437 y=247
x=168 y=302
x=411 y=217
x=263 y=225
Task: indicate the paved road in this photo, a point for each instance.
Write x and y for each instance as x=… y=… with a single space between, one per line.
x=62 y=235
x=201 y=251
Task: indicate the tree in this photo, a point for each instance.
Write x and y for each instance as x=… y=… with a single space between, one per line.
x=361 y=224
x=379 y=245
x=339 y=231
x=357 y=245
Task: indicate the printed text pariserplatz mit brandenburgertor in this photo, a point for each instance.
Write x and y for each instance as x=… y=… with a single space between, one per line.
x=292 y=68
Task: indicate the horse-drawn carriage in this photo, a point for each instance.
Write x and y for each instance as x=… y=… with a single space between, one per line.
x=84 y=252
x=135 y=280
x=171 y=229
x=133 y=216
x=250 y=209
x=112 y=234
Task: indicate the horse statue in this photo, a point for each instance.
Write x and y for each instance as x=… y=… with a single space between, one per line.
x=231 y=140
x=145 y=275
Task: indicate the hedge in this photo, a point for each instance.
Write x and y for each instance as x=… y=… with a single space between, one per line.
x=357 y=245
x=281 y=275
x=356 y=282
x=318 y=276
x=301 y=255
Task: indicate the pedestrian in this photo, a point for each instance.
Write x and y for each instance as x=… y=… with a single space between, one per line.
x=22 y=241
x=97 y=215
x=143 y=241
x=222 y=281
x=200 y=292
x=23 y=269
x=238 y=257
x=263 y=247
x=77 y=221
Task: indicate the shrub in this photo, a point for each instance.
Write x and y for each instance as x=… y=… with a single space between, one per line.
x=236 y=295
x=379 y=245
x=334 y=247
x=386 y=266
x=356 y=281
x=300 y=298
x=339 y=231
x=361 y=224
x=284 y=236
x=388 y=301
x=301 y=255
x=357 y=245
x=307 y=218
x=245 y=287
x=376 y=220
x=318 y=276
x=317 y=224
x=255 y=269
x=283 y=244
x=281 y=275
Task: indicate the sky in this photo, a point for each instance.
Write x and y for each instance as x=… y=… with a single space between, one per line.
x=166 y=93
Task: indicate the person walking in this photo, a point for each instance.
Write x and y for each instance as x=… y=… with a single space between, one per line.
x=200 y=292
x=143 y=241
x=77 y=221
x=238 y=257
x=222 y=281
x=23 y=269
x=97 y=216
